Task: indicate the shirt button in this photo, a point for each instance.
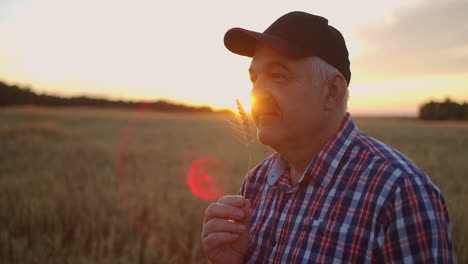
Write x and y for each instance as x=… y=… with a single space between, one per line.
x=273 y=243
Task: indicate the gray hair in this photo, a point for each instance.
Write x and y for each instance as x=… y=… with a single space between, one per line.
x=323 y=72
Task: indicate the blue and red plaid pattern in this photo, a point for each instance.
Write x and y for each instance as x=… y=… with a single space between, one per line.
x=359 y=201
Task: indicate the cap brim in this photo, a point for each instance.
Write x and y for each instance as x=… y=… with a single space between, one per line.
x=244 y=42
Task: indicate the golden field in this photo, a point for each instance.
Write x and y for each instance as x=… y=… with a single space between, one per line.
x=80 y=185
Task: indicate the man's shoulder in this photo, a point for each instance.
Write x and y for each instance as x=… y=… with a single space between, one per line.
x=403 y=169
x=386 y=154
x=399 y=178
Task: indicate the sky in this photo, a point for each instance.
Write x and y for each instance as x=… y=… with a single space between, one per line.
x=403 y=52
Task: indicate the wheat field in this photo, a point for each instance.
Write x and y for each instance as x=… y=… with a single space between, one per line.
x=81 y=185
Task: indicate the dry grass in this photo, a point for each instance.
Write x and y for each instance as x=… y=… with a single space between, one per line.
x=71 y=191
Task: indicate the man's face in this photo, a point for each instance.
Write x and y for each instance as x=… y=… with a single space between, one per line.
x=288 y=102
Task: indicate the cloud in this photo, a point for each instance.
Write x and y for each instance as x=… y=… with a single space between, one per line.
x=430 y=38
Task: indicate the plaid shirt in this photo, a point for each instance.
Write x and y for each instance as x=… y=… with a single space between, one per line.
x=359 y=201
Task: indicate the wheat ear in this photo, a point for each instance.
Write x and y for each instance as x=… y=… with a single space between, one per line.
x=243 y=126
x=245 y=132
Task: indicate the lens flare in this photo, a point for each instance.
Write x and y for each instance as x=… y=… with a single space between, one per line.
x=200 y=178
x=155 y=168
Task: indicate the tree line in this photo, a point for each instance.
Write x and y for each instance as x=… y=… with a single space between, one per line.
x=14 y=95
x=447 y=110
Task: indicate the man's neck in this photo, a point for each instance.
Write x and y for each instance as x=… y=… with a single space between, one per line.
x=300 y=152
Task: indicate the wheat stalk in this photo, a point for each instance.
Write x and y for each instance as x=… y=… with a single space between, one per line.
x=245 y=132
x=243 y=126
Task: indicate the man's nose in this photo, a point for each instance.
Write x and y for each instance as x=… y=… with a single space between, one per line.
x=260 y=91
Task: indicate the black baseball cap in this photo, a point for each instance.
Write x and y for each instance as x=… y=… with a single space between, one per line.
x=295 y=34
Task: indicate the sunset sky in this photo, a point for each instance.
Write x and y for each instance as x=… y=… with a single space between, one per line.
x=403 y=52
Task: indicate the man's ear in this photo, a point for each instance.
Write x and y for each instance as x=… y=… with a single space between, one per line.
x=336 y=92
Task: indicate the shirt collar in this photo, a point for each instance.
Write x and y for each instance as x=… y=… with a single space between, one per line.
x=278 y=165
x=322 y=168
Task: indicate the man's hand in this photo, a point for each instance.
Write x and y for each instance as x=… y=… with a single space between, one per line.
x=225 y=235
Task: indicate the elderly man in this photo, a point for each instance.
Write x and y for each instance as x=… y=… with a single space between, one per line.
x=330 y=193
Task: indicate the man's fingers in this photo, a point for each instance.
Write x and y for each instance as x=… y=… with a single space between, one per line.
x=220 y=210
x=246 y=209
x=234 y=200
x=229 y=207
x=222 y=225
x=213 y=240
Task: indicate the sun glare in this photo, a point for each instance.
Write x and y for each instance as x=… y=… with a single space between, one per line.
x=246 y=101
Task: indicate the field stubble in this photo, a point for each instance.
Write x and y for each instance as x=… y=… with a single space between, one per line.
x=83 y=186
